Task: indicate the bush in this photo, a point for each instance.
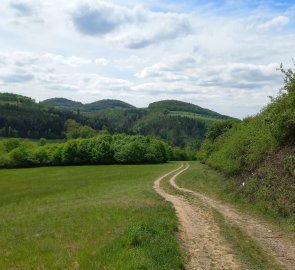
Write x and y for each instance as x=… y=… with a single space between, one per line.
x=104 y=149
x=21 y=156
x=69 y=152
x=252 y=150
x=42 y=141
x=55 y=154
x=11 y=144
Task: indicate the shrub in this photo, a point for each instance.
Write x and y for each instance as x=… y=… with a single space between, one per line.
x=69 y=152
x=11 y=144
x=42 y=141
x=20 y=156
x=101 y=150
x=104 y=149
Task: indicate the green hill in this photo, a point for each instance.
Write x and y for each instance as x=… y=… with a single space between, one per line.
x=180 y=106
x=178 y=123
x=9 y=98
x=106 y=104
x=62 y=103
x=66 y=104
x=21 y=116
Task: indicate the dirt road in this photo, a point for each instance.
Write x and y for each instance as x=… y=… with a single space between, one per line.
x=198 y=233
x=201 y=238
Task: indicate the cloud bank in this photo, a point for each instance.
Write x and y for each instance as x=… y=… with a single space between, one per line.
x=220 y=55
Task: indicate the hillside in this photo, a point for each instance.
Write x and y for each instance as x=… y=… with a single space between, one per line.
x=260 y=153
x=62 y=103
x=178 y=123
x=106 y=104
x=21 y=116
x=66 y=104
x=180 y=106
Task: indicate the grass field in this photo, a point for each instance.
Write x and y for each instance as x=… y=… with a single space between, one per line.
x=90 y=217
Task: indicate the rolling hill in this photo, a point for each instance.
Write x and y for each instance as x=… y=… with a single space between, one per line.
x=178 y=123
x=62 y=103
x=180 y=106
x=21 y=116
x=66 y=104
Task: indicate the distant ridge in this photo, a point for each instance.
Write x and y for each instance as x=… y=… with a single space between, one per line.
x=62 y=103
x=106 y=104
x=181 y=106
x=179 y=123
x=111 y=104
x=66 y=104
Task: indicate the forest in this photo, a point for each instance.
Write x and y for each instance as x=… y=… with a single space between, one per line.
x=179 y=124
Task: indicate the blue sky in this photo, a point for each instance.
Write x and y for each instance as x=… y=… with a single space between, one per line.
x=222 y=55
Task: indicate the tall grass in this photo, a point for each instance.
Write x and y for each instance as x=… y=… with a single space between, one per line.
x=90 y=217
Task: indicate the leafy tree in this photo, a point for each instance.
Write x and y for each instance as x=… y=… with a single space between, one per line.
x=20 y=156
x=72 y=129
x=75 y=130
x=86 y=132
x=69 y=152
x=11 y=144
x=42 y=141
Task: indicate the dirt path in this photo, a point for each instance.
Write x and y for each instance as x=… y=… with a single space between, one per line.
x=198 y=232
x=271 y=240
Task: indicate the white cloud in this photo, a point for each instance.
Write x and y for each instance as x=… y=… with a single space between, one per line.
x=141 y=51
x=23 y=8
x=101 y=61
x=279 y=21
x=134 y=28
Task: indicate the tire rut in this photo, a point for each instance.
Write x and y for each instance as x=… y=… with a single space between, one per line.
x=270 y=238
x=198 y=232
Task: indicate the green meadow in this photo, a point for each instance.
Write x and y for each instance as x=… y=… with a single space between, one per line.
x=86 y=217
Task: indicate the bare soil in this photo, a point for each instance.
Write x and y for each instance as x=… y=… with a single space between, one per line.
x=201 y=237
x=198 y=232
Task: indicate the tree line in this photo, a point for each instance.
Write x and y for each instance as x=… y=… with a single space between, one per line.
x=105 y=149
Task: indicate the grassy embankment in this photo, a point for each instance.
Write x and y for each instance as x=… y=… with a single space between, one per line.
x=202 y=178
x=90 y=217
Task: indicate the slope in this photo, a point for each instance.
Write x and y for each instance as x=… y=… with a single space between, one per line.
x=66 y=104
x=21 y=116
x=260 y=153
x=180 y=106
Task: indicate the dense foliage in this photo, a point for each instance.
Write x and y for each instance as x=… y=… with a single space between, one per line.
x=177 y=123
x=21 y=117
x=249 y=150
x=75 y=130
x=117 y=120
x=63 y=103
x=105 y=149
x=177 y=130
x=180 y=106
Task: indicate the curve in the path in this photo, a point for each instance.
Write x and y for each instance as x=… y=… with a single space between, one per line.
x=269 y=237
x=198 y=232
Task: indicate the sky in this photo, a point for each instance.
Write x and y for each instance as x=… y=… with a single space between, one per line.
x=222 y=54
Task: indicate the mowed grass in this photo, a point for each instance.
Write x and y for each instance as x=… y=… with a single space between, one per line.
x=88 y=217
